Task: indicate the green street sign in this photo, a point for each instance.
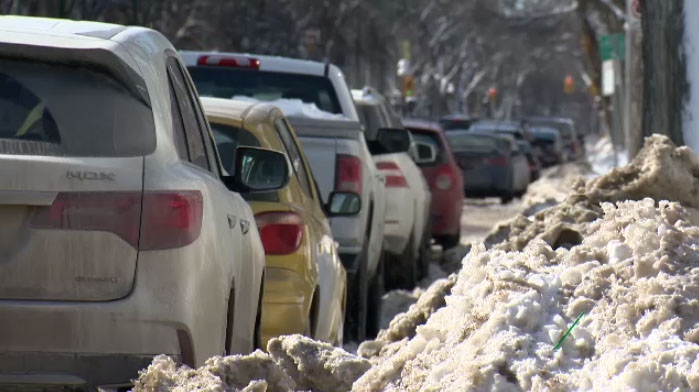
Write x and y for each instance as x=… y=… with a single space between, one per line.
x=612 y=47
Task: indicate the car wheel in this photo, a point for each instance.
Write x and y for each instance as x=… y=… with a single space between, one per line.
x=230 y=314
x=506 y=198
x=450 y=241
x=374 y=300
x=357 y=287
x=425 y=255
x=257 y=337
x=401 y=272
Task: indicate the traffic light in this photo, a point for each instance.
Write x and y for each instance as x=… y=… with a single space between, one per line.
x=569 y=85
x=492 y=94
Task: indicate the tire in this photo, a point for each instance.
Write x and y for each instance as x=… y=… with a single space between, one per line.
x=401 y=272
x=450 y=241
x=257 y=337
x=506 y=198
x=425 y=255
x=374 y=302
x=357 y=289
x=230 y=316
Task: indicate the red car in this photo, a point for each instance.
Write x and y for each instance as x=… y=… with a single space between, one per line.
x=446 y=183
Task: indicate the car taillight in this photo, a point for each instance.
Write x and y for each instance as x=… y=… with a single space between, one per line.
x=496 y=161
x=394 y=176
x=281 y=232
x=229 y=61
x=348 y=174
x=170 y=219
x=445 y=178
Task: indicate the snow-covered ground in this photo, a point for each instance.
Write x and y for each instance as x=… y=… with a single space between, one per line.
x=620 y=252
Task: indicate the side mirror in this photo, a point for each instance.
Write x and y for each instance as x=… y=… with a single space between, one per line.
x=425 y=153
x=343 y=204
x=258 y=170
x=393 y=140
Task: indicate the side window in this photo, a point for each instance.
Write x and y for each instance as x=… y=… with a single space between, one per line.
x=193 y=132
x=209 y=142
x=177 y=125
x=295 y=156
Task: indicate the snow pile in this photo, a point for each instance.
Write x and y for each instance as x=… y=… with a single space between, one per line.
x=621 y=252
x=635 y=276
x=294 y=363
x=296 y=108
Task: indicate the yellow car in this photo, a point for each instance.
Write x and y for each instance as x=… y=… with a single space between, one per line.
x=304 y=285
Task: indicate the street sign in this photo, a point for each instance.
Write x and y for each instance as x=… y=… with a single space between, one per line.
x=612 y=46
x=608 y=78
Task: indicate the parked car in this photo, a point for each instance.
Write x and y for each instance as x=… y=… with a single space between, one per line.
x=119 y=240
x=446 y=183
x=304 y=289
x=572 y=141
x=318 y=104
x=523 y=137
x=493 y=164
x=452 y=122
x=407 y=234
x=548 y=141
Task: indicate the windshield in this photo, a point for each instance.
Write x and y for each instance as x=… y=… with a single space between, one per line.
x=265 y=86
x=44 y=111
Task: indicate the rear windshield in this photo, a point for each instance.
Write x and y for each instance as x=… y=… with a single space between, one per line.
x=56 y=110
x=434 y=140
x=451 y=124
x=477 y=143
x=566 y=130
x=265 y=86
x=228 y=138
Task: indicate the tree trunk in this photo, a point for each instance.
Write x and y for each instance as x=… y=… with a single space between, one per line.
x=665 y=73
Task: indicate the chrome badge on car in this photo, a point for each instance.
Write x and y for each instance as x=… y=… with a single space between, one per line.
x=90 y=176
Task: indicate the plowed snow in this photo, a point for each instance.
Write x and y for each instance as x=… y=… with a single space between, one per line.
x=623 y=250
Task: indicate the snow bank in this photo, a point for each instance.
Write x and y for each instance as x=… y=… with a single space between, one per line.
x=621 y=250
x=294 y=363
x=631 y=267
x=635 y=277
x=296 y=108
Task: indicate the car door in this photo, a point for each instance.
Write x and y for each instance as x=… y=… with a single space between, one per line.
x=229 y=219
x=307 y=198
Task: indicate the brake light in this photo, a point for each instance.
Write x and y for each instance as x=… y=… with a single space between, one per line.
x=445 y=178
x=280 y=232
x=229 y=61
x=496 y=161
x=170 y=219
x=394 y=177
x=348 y=174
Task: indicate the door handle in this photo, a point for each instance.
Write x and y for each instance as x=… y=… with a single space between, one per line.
x=231 y=221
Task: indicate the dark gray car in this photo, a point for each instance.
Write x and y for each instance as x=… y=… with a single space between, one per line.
x=493 y=165
x=572 y=141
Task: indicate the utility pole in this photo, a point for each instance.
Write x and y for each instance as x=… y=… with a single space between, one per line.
x=632 y=27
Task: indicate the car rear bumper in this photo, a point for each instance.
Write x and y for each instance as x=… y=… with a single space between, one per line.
x=487 y=181
x=446 y=211
x=79 y=371
x=286 y=304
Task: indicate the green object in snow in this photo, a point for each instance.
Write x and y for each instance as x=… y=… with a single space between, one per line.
x=565 y=335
